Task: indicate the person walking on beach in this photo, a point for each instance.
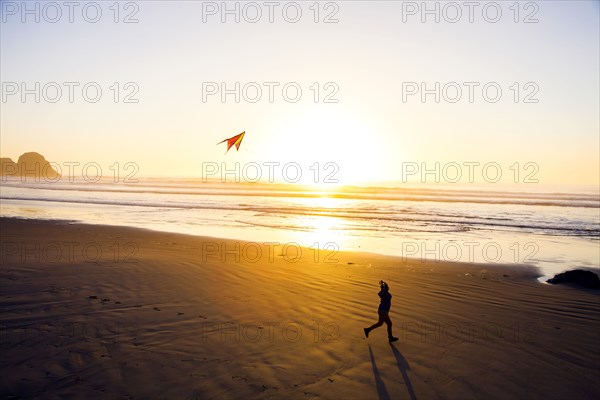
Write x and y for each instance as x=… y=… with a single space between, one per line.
x=383 y=311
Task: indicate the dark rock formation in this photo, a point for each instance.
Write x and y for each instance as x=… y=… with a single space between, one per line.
x=580 y=277
x=8 y=167
x=29 y=165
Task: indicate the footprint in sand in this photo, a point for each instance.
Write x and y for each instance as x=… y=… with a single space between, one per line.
x=262 y=388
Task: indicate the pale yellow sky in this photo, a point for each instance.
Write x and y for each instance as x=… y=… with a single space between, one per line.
x=366 y=61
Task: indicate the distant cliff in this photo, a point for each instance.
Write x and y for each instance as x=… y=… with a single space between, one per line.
x=29 y=165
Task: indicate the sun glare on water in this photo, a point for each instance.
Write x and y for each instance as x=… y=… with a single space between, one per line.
x=324 y=230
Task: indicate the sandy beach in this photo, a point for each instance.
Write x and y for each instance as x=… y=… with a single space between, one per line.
x=94 y=311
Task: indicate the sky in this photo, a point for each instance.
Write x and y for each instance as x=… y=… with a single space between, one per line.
x=362 y=69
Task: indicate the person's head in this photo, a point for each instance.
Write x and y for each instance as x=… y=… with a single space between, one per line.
x=384 y=286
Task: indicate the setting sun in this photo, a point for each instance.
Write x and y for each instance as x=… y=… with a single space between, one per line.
x=335 y=144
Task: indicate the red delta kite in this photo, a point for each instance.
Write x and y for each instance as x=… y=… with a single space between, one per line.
x=236 y=140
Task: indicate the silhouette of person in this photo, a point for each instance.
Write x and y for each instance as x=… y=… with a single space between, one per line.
x=383 y=311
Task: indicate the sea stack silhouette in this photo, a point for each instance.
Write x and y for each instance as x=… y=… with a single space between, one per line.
x=29 y=165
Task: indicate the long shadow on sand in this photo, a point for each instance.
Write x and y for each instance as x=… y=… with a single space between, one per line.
x=403 y=366
x=381 y=389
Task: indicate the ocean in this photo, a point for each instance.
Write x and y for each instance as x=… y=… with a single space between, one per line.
x=550 y=229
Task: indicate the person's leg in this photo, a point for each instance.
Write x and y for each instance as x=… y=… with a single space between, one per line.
x=378 y=324
x=388 y=322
